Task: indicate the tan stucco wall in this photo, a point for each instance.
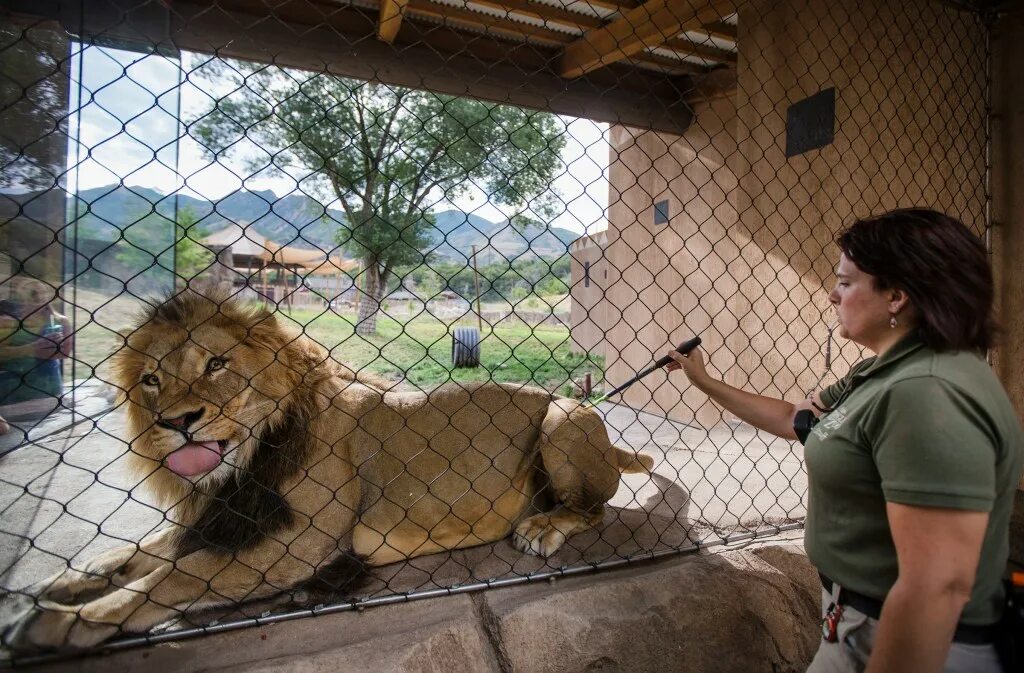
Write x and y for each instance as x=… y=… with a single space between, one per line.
x=672 y=279
x=747 y=258
x=589 y=313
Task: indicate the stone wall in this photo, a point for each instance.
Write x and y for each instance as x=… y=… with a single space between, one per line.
x=755 y=610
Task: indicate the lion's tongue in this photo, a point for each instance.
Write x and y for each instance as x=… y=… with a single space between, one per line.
x=193 y=459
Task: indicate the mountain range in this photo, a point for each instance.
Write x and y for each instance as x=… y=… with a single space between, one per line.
x=107 y=213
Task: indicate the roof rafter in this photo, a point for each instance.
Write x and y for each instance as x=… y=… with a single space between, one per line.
x=666 y=65
x=391 y=13
x=700 y=50
x=649 y=25
x=719 y=30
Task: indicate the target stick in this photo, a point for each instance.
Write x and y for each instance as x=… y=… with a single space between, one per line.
x=683 y=348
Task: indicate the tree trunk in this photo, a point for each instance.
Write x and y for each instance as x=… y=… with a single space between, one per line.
x=369 y=300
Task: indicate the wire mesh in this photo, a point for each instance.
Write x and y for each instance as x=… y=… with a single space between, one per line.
x=299 y=300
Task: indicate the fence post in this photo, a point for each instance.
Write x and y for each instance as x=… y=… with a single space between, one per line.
x=476 y=282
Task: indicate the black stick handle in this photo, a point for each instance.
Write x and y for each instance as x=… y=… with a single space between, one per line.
x=683 y=348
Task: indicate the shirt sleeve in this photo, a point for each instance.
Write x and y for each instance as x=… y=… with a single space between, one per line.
x=830 y=395
x=933 y=446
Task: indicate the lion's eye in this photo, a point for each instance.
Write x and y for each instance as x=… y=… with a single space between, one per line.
x=151 y=380
x=214 y=364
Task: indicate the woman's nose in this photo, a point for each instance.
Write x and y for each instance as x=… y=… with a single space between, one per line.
x=833 y=297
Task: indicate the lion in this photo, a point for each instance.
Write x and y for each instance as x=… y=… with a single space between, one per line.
x=281 y=470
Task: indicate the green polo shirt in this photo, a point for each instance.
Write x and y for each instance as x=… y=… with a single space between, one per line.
x=919 y=428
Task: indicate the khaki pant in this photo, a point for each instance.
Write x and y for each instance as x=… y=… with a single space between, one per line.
x=856 y=636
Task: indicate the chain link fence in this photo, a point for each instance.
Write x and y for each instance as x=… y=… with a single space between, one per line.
x=305 y=306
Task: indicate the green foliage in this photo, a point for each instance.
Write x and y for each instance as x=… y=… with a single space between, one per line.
x=500 y=281
x=191 y=257
x=387 y=154
x=146 y=244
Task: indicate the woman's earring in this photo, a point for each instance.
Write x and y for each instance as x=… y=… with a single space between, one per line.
x=892 y=322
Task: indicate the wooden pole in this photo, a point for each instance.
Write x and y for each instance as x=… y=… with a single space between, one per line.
x=476 y=282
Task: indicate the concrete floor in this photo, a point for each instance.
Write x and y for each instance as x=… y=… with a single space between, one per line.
x=65 y=496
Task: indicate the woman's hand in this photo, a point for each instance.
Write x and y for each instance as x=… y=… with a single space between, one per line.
x=45 y=349
x=692 y=364
x=67 y=344
x=56 y=345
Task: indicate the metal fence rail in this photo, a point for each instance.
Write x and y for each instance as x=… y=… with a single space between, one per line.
x=303 y=304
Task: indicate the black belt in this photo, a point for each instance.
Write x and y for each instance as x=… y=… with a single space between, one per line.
x=872 y=607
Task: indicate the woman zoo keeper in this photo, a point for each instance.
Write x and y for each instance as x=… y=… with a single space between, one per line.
x=914 y=462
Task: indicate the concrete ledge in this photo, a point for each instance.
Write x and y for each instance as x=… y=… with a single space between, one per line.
x=752 y=610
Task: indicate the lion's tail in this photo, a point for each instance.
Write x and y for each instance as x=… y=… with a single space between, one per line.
x=630 y=462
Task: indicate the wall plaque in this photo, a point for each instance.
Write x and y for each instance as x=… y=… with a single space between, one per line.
x=810 y=123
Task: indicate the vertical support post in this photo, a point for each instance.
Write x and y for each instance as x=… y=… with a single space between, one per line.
x=987 y=20
x=476 y=283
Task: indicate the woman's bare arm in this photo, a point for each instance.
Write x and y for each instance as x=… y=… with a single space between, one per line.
x=938 y=551
x=765 y=413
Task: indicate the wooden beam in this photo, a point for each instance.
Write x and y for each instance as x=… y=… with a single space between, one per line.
x=391 y=13
x=701 y=50
x=616 y=5
x=669 y=66
x=649 y=25
x=709 y=87
x=434 y=58
x=719 y=30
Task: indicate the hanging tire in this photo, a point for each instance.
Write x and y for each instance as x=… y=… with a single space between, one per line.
x=466 y=347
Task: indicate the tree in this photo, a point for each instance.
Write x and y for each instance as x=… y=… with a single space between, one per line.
x=191 y=257
x=387 y=154
x=146 y=245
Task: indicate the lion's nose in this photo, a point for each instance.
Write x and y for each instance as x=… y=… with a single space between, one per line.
x=182 y=422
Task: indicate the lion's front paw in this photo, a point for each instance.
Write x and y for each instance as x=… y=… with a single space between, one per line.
x=71 y=587
x=544 y=534
x=538 y=535
x=54 y=626
x=99 y=577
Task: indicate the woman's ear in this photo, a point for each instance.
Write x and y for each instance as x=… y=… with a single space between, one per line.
x=898 y=300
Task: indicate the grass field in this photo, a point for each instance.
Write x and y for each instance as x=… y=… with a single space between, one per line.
x=417 y=351
x=420 y=351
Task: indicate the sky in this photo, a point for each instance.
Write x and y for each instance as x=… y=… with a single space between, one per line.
x=128 y=124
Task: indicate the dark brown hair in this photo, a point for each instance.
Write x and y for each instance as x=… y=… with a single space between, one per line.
x=939 y=263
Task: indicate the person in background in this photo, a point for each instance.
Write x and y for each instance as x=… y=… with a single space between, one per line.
x=33 y=339
x=914 y=461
